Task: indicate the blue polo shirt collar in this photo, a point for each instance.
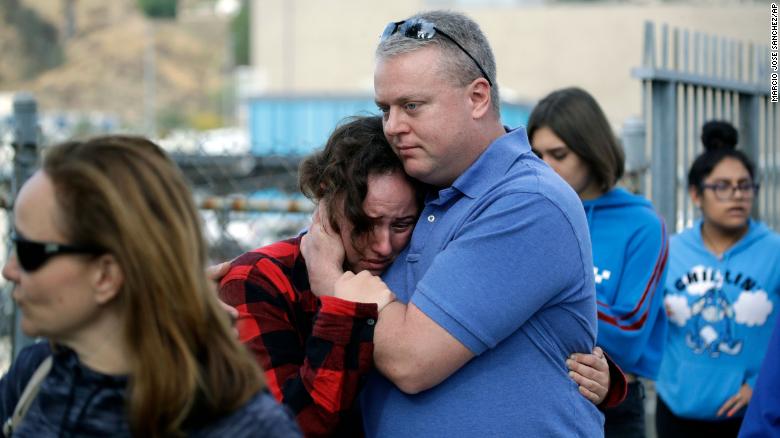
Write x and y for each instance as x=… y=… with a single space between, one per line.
x=492 y=164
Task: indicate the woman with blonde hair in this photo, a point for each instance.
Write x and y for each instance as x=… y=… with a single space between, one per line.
x=109 y=267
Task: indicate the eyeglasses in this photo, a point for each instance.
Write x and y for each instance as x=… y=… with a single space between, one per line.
x=421 y=29
x=725 y=191
x=32 y=255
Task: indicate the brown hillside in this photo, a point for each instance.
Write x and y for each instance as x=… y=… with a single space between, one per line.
x=103 y=68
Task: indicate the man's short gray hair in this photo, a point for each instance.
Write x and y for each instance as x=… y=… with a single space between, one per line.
x=457 y=65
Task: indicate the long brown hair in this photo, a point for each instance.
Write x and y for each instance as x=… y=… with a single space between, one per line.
x=124 y=195
x=576 y=118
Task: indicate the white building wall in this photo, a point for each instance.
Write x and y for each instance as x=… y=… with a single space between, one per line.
x=326 y=46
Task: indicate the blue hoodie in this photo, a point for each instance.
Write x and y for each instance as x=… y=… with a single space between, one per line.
x=762 y=419
x=722 y=311
x=630 y=247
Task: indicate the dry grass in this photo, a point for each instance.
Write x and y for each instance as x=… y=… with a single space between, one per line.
x=104 y=61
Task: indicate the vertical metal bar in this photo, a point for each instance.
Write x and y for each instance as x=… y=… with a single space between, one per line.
x=675 y=49
x=686 y=51
x=648 y=58
x=664 y=144
x=740 y=62
x=705 y=55
x=756 y=65
x=763 y=78
x=749 y=129
x=714 y=48
x=716 y=103
x=647 y=110
x=648 y=61
x=25 y=145
x=727 y=62
x=715 y=57
x=664 y=46
x=762 y=165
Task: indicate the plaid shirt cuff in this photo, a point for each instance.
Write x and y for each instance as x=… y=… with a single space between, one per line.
x=618 y=386
x=334 y=320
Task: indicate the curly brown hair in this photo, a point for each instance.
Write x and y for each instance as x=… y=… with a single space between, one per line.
x=338 y=174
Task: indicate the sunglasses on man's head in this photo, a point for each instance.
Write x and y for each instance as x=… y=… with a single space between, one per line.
x=32 y=255
x=421 y=29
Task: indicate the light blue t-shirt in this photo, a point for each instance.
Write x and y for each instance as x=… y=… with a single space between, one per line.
x=502 y=261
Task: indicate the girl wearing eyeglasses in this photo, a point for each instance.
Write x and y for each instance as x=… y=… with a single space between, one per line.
x=109 y=266
x=721 y=296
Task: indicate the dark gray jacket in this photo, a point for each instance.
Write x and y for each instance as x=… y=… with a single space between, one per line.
x=76 y=401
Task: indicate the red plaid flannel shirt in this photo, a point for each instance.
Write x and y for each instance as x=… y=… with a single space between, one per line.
x=315 y=351
x=618 y=386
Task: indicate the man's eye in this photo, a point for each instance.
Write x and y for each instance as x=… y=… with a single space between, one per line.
x=411 y=106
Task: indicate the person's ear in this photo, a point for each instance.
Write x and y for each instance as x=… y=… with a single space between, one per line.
x=480 y=98
x=107 y=278
x=693 y=192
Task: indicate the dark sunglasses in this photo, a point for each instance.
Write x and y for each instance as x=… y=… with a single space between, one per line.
x=32 y=255
x=420 y=29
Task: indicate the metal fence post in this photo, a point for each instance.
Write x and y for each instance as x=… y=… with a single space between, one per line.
x=748 y=132
x=664 y=150
x=634 y=137
x=25 y=145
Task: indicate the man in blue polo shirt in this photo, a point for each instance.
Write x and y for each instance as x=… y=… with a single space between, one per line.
x=496 y=288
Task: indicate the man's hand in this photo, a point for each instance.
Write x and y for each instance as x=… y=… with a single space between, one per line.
x=591 y=372
x=323 y=251
x=363 y=288
x=737 y=402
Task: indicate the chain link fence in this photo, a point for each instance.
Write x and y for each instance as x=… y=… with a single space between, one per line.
x=245 y=201
x=6 y=303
